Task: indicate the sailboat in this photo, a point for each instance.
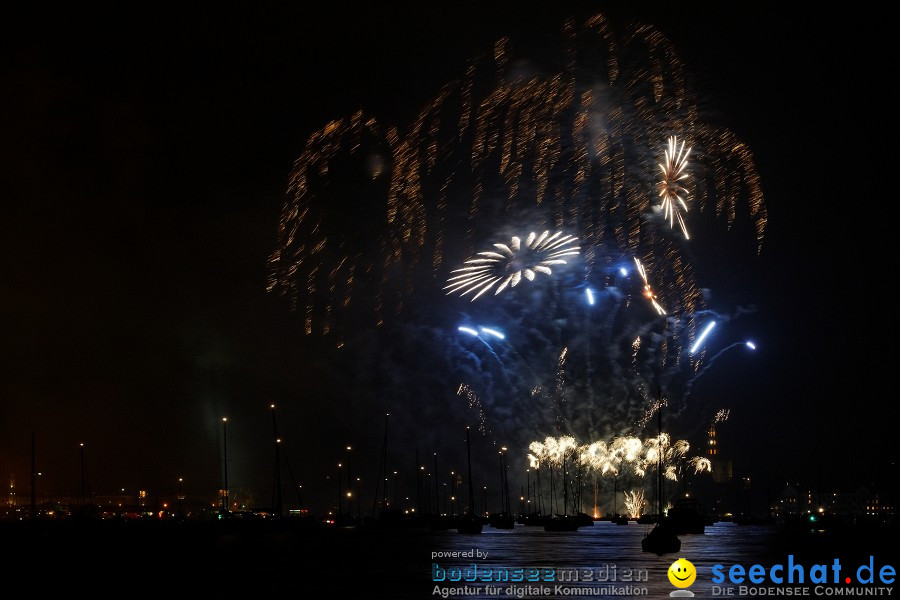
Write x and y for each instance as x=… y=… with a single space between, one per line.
x=662 y=539
x=470 y=522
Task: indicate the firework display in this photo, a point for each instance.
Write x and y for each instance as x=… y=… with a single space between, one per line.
x=626 y=458
x=721 y=416
x=511 y=262
x=671 y=190
x=496 y=150
x=622 y=454
x=546 y=181
x=474 y=405
x=505 y=271
x=701 y=464
x=648 y=291
x=706 y=331
x=634 y=503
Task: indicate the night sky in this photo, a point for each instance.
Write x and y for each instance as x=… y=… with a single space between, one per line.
x=143 y=168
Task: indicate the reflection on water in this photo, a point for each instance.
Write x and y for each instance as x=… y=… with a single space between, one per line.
x=608 y=544
x=290 y=560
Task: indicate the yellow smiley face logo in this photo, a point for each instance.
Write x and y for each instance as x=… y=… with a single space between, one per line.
x=682 y=573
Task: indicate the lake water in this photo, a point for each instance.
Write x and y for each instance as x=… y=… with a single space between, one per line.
x=215 y=561
x=605 y=545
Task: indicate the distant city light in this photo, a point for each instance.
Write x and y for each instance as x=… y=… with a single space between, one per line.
x=468 y=330
x=623 y=271
x=751 y=345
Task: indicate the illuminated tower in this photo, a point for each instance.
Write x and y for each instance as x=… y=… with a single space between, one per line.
x=11 y=502
x=722 y=469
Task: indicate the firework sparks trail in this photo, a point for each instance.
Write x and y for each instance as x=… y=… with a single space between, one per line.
x=493 y=332
x=634 y=503
x=553 y=450
x=474 y=333
x=701 y=464
x=652 y=410
x=536 y=389
x=474 y=404
x=566 y=445
x=552 y=455
x=703 y=336
x=671 y=190
x=721 y=416
x=588 y=358
x=560 y=395
x=509 y=263
x=689 y=387
x=610 y=458
x=490 y=155
x=670 y=453
x=648 y=291
x=348 y=259
x=681 y=463
x=494 y=354
x=597 y=456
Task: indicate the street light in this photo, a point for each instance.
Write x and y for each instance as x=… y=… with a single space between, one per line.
x=180 y=495
x=452 y=492
x=340 y=492
x=277 y=503
x=81 y=449
x=504 y=484
x=349 y=481
x=225 y=504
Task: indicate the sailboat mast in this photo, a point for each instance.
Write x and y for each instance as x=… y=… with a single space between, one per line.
x=469 y=462
x=382 y=471
x=659 y=468
x=437 y=494
x=502 y=503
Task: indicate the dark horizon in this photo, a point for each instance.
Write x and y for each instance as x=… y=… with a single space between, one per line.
x=146 y=167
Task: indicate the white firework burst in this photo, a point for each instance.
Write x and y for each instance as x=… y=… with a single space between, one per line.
x=506 y=265
x=648 y=291
x=671 y=190
x=721 y=416
x=701 y=464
